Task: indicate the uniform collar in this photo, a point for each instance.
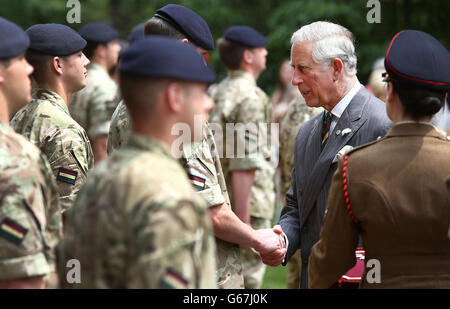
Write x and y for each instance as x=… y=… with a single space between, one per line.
x=414 y=128
x=241 y=74
x=146 y=143
x=50 y=96
x=97 y=68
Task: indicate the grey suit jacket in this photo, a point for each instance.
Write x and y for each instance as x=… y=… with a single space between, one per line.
x=301 y=219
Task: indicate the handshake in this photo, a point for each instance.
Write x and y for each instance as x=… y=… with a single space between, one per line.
x=271 y=245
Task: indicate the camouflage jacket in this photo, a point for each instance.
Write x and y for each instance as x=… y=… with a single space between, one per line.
x=47 y=124
x=202 y=164
x=297 y=113
x=93 y=106
x=238 y=100
x=30 y=217
x=137 y=223
x=120 y=127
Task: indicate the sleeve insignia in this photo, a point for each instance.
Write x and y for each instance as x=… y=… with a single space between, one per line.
x=12 y=231
x=173 y=280
x=67 y=176
x=198 y=182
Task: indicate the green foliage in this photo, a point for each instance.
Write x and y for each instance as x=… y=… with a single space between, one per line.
x=277 y=19
x=275 y=278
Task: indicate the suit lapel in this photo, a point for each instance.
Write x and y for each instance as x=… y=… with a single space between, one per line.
x=351 y=118
x=312 y=149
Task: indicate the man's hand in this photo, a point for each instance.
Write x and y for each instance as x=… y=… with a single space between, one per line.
x=272 y=246
x=278 y=230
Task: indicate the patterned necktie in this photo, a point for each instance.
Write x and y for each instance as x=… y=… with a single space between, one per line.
x=326 y=128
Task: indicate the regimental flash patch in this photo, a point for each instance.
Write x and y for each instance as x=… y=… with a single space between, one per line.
x=250 y=136
x=173 y=280
x=12 y=231
x=66 y=175
x=198 y=182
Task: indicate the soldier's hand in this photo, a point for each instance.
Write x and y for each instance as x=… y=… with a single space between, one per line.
x=271 y=246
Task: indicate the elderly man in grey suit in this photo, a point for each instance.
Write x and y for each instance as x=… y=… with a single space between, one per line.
x=323 y=56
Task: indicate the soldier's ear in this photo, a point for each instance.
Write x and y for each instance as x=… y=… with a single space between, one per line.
x=57 y=65
x=390 y=92
x=247 y=56
x=174 y=97
x=99 y=52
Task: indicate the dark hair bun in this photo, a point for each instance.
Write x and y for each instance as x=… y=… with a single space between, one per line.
x=419 y=102
x=429 y=105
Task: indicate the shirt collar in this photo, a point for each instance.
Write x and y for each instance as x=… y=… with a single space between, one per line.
x=239 y=73
x=345 y=101
x=52 y=97
x=95 y=67
x=147 y=143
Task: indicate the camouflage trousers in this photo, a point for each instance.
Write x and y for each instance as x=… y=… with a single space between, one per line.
x=294 y=267
x=254 y=268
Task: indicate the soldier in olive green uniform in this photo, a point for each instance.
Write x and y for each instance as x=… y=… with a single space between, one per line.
x=138 y=215
x=46 y=121
x=297 y=113
x=93 y=106
x=239 y=101
x=30 y=217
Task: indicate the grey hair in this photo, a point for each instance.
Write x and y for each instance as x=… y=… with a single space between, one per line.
x=330 y=41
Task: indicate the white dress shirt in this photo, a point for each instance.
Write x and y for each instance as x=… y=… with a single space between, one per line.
x=342 y=105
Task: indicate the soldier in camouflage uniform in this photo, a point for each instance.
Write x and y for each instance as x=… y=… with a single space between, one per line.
x=201 y=160
x=239 y=100
x=93 y=106
x=46 y=121
x=137 y=222
x=297 y=113
x=30 y=217
x=205 y=173
x=120 y=127
x=175 y=21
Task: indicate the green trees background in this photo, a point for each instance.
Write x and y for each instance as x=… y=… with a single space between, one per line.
x=277 y=19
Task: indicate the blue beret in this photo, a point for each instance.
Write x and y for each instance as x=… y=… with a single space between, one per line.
x=98 y=32
x=123 y=47
x=161 y=56
x=189 y=22
x=136 y=33
x=417 y=58
x=245 y=35
x=55 y=39
x=13 y=40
